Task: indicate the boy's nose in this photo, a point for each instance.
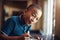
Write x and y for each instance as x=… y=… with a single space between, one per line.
x=32 y=20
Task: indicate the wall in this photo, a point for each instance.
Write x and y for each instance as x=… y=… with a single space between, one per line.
x=10 y=10
x=0 y=13
x=57 y=28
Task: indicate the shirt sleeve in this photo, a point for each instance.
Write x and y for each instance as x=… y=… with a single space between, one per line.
x=8 y=27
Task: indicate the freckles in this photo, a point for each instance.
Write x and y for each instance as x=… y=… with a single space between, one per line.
x=31 y=17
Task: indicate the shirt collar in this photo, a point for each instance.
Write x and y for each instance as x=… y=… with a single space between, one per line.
x=22 y=21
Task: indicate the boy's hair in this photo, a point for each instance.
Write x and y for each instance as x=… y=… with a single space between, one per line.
x=34 y=5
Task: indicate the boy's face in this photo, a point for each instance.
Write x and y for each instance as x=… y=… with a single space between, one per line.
x=32 y=15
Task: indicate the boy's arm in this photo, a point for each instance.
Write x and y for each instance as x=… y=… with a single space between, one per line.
x=11 y=37
x=4 y=36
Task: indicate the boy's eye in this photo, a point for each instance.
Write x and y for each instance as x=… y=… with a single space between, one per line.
x=36 y=18
x=33 y=14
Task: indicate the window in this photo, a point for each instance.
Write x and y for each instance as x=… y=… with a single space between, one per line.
x=48 y=17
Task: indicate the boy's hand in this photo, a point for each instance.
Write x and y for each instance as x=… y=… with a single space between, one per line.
x=26 y=35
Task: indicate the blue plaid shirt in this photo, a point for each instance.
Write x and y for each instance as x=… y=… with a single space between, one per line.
x=15 y=26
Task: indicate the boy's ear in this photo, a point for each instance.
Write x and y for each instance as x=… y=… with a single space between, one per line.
x=25 y=10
